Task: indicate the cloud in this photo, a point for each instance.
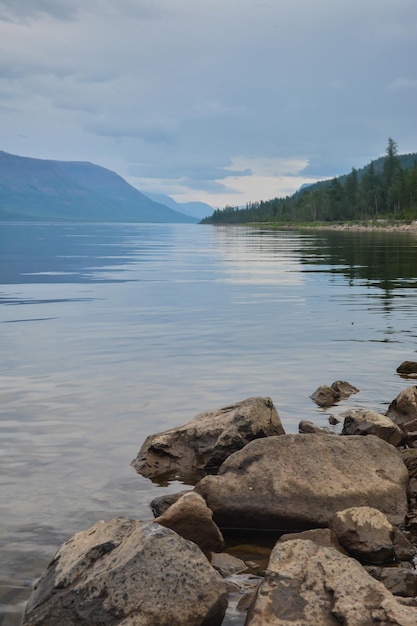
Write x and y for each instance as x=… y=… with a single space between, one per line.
x=230 y=98
x=17 y=10
x=244 y=180
x=401 y=84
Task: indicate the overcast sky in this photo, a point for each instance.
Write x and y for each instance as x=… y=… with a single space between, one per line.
x=222 y=101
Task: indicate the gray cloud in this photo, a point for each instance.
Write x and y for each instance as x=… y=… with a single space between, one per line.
x=177 y=91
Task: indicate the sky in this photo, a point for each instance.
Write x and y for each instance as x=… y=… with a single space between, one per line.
x=225 y=102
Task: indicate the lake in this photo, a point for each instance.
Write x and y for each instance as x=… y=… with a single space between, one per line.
x=111 y=332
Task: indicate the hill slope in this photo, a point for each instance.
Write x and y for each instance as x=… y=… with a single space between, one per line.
x=37 y=189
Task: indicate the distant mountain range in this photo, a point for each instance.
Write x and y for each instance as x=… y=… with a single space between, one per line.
x=40 y=190
x=199 y=210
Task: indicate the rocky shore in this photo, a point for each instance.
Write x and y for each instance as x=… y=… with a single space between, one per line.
x=380 y=225
x=339 y=505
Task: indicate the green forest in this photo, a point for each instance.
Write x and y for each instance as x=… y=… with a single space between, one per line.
x=386 y=189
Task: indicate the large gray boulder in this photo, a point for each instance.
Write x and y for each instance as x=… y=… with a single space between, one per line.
x=128 y=573
x=206 y=441
x=368 y=422
x=296 y=482
x=310 y=585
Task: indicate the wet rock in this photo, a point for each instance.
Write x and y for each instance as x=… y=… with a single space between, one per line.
x=344 y=389
x=325 y=396
x=306 y=427
x=365 y=533
x=161 y=503
x=407 y=368
x=403 y=409
x=308 y=584
x=297 y=482
x=190 y=517
x=227 y=564
x=128 y=572
x=334 y=421
x=366 y=422
x=206 y=441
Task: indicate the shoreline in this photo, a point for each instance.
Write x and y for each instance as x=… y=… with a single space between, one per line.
x=382 y=226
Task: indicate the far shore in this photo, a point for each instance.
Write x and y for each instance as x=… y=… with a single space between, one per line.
x=378 y=225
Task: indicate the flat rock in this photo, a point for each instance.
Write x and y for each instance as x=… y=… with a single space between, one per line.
x=297 y=482
x=310 y=585
x=126 y=572
x=227 y=564
x=206 y=441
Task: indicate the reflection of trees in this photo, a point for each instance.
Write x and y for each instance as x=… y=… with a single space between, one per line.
x=381 y=259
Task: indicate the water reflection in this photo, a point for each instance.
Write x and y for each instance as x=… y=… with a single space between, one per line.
x=386 y=260
x=113 y=332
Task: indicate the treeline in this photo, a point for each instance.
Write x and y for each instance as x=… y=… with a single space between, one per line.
x=384 y=189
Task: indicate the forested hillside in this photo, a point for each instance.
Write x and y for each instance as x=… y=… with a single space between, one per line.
x=384 y=189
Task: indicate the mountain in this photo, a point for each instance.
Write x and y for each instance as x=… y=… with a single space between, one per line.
x=199 y=210
x=38 y=190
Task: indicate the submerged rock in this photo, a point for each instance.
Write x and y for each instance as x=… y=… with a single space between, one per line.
x=296 y=482
x=206 y=441
x=325 y=396
x=128 y=572
x=310 y=585
x=408 y=368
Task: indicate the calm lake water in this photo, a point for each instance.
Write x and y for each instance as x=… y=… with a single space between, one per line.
x=112 y=332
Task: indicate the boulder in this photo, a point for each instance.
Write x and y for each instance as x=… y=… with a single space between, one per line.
x=191 y=518
x=305 y=426
x=408 y=368
x=366 y=422
x=307 y=584
x=206 y=441
x=325 y=396
x=400 y=580
x=403 y=409
x=344 y=389
x=296 y=482
x=365 y=533
x=128 y=572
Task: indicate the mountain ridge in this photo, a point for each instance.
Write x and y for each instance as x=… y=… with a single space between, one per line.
x=42 y=189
